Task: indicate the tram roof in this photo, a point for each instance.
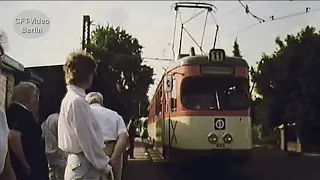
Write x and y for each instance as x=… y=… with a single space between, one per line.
x=204 y=60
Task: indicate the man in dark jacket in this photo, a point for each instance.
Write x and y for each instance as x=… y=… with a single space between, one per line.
x=132 y=136
x=26 y=145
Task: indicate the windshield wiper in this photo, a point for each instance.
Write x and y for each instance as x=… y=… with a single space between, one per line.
x=217 y=100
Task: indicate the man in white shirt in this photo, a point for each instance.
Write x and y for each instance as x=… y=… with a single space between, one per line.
x=56 y=157
x=114 y=131
x=79 y=133
x=6 y=171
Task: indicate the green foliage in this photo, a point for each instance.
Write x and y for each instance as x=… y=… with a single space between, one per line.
x=259 y=112
x=236 y=50
x=287 y=80
x=120 y=62
x=257 y=134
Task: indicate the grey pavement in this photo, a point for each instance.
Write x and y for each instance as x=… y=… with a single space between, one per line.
x=267 y=164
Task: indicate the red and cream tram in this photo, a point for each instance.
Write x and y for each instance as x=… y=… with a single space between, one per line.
x=201 y=108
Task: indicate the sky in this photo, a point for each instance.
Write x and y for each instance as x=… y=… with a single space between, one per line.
x=152 y=23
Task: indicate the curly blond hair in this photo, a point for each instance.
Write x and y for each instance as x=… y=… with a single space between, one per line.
x=78 y=67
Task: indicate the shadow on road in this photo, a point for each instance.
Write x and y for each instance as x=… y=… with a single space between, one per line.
x=265 y=165
x=204 y=171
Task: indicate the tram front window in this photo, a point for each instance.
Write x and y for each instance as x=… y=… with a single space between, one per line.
x=213 y=93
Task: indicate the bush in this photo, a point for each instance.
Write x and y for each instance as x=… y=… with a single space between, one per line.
x=257 y=134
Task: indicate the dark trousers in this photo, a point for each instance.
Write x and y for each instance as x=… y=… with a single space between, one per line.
x=131 y=149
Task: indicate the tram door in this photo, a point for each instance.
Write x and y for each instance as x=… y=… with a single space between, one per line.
x=169 y=83
x=159 y=119
x=162 y=122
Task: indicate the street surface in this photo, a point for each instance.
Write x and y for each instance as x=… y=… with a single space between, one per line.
x=267 y=164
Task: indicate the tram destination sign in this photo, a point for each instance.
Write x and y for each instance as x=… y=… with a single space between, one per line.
x=217 y=55
x=214 y=70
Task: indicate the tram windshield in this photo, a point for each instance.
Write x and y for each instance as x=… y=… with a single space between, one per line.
x=215 y=93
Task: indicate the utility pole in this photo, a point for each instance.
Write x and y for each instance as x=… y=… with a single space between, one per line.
x=139 y=106
x=86 y=31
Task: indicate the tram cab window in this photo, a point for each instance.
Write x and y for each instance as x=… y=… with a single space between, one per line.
x=173 y=100
x=215 y=93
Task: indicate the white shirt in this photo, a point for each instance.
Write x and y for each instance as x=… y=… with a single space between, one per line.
x=49 y=128
x=4 y=133
x=78 y=131
x=111 y=123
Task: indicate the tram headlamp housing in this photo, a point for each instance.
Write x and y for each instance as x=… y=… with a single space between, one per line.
x=227 y=138
x=212 y=138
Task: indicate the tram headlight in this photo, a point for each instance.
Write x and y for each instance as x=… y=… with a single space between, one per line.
x=212 y=138
x=227 y=138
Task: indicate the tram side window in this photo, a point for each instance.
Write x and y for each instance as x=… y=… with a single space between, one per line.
x=160 y=98
x=173 y=100
x=158 y=102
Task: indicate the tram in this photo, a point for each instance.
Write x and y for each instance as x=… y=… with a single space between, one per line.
x=201 y=109
x=201 y=106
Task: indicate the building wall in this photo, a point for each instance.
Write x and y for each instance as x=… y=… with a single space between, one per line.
x=52 y=90
x=6 y=88
x=10 y=86
x=3 y=90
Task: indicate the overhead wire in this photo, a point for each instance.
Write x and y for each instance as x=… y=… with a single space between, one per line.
x=204 y=28
x=174 y=34
x=247 y=10
x=273 y=18
x=235 y=9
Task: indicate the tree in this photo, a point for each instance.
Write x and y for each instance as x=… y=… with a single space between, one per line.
x=287 y=80
x=236 y=51
x=122 y=78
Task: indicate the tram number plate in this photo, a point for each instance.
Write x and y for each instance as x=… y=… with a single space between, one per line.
x=220 y=145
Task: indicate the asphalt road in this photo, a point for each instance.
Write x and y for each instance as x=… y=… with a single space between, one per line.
x=266 y=165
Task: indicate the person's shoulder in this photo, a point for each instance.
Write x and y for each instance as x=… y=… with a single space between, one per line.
x=112 y=112
x=75 y=100
x=52 y=120
x=2 y=112
x=52 y=117
x=79 y=99
x=3 y=115
x=16 y=110
x=12 y=106
x=72 y=97
x=3 y=121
